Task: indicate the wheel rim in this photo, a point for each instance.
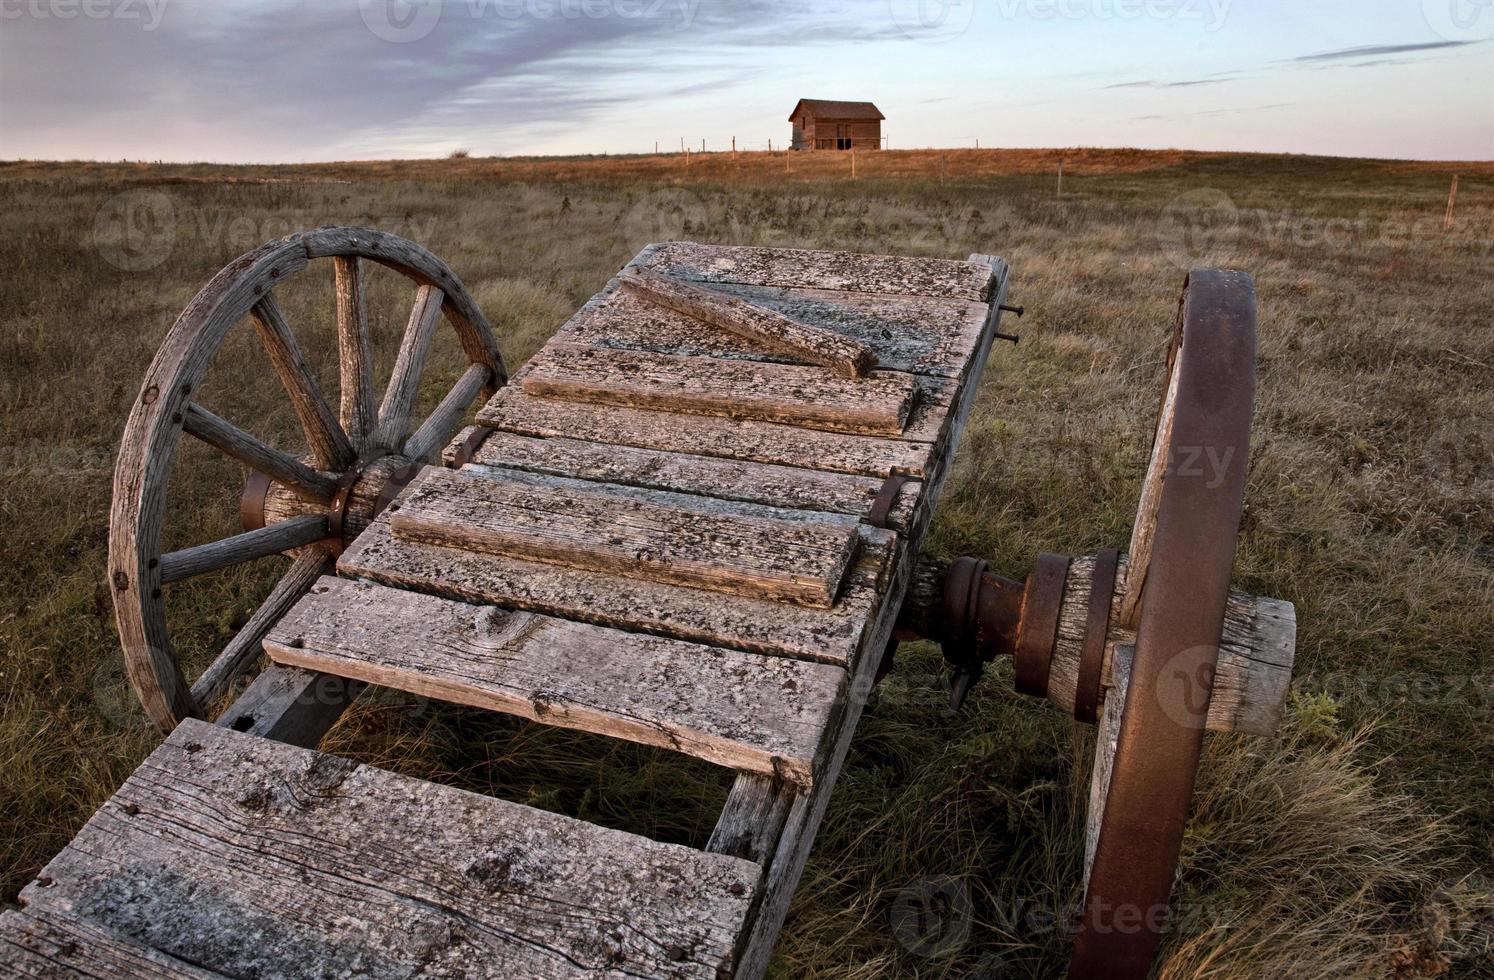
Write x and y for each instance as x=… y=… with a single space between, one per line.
x=348 y=440
x=1193 y=509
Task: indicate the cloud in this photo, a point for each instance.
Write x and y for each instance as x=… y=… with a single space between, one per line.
x=1342 y=54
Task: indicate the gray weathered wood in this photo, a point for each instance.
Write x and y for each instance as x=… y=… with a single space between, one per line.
x=447 y=417
x=918 y=334
x=1106 y=736
x=291 y=705
x=800 y=560
x=57 y=946
x=728 y=479
x=753 y=817
x=409 y=365
x=1254 y=672
x=741 y=710
x=239 y=548
x=244 y=649
x=757 y=324
x=301 y=479
x=356 y=411
x=720 y=619
x=1144 y=528
x=820 y=270
x=329 y=444
x=255 y=858
x=763 y=442
x=735 y=389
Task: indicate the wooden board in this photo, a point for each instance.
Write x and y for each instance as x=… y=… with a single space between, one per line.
x=255 y=858
x=799 y=561
x=918 y=334
x=878 y=404
x=742 y=710
x=726 y=479
x=58 y=946
x=821 y=270
x=756 y=324
x=512 y=410
x=736 y=622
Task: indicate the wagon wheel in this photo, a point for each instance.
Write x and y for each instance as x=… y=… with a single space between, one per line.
x=1175 y=593
x=310 y=506
x=1066 y=630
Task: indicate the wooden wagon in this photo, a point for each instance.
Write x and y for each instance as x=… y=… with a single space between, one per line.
x=693 y=520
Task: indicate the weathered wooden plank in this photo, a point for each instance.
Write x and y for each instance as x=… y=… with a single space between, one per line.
x=291 y=705
x=756 y=324
x=795 y=560
x=764 y=442
x=56 y=946
x=255 y=858
x=720 y=619
x=820 y=270
x=917 y=334
x=728 y=479
x=745 y=711
x=1256 y=652
x=753 y=817
x=879 y=404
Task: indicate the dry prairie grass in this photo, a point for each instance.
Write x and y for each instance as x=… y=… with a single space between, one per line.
x=1352 y=846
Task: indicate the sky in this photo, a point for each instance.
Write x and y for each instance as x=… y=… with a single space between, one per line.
x=315 y=80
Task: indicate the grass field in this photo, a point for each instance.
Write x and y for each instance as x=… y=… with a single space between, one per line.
x=1360 y=843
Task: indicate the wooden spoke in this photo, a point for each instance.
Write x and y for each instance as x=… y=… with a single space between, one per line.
x=244 y=547
x=329 y=445
x=356 y=412
x=246 y=645
x=1145 y=528
x=404 y=382
x=232 y=441
x=438 y=428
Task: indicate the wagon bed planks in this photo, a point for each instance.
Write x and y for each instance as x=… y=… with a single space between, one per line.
x=822 y=270
x=918 y=334
x=735 y=389
x=720 y=619
x=742 y=710
x=56 y=946
x=796 y=561
x=725 y=479
x=254 y=858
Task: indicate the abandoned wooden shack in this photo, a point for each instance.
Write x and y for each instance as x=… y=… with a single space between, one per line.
x=822 y=124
